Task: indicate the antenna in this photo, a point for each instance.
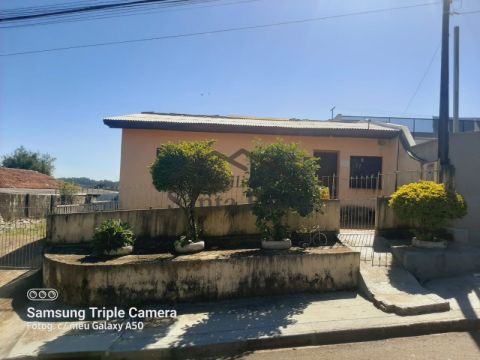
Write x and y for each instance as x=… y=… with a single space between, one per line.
x=331 y=110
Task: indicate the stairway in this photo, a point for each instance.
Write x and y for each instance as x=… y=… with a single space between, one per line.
x=386 y=283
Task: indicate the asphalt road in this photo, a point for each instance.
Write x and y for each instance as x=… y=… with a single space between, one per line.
x=462 y=346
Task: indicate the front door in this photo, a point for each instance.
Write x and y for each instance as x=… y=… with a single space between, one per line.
x=328 y=172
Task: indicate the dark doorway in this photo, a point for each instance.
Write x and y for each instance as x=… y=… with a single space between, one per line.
x=328 y=172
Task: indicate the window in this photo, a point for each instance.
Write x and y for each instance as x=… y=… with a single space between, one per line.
x=365 y=172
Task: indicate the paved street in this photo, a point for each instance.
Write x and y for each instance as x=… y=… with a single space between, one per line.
x=449 y=346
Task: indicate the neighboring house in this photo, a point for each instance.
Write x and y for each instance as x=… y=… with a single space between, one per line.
x=464 y=154
x=346 y=149
x=25 y=193
x=28 y=193
x=422 y=129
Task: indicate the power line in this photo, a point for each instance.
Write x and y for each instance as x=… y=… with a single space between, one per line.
x=427 y=70
x=90 y=8
x=210 y=32
x=122 y=13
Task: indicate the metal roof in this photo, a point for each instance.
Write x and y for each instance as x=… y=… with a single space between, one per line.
x=240 y=124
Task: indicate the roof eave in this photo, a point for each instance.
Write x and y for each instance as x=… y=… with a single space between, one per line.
x=224 y=128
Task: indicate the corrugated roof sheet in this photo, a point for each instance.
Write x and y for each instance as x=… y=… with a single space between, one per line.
x=252 y=125
x=150 y=119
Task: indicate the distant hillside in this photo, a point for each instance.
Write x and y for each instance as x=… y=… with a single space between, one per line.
x=92 y=184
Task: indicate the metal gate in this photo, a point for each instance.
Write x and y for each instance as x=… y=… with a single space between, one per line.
x=22 y=236
x=358 y=213
x=357 y=222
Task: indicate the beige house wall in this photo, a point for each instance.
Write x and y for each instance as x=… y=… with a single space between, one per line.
x=139 y=151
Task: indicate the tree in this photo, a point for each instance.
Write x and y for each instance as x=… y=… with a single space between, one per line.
x=29 y=160
x=68 y=192
x=428 y=206
x=188 y=170
x=282 y=179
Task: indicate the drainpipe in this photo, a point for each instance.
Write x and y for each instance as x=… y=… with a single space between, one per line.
x=396 y=169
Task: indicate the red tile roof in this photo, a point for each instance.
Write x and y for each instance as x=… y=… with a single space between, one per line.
x=26 y=179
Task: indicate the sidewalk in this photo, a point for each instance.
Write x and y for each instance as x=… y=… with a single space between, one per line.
x=241 y=326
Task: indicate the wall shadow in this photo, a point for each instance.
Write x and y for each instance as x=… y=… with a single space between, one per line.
x=200 y=324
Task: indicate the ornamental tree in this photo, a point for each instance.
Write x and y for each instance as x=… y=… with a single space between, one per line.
x=187 y=170
x=282 y=179
x=428 y=206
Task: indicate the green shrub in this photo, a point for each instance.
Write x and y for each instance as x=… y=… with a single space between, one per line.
x=112 y=235
x=282 y=179
x=428 y=206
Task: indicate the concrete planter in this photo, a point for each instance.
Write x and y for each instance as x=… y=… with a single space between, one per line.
x=276 y=245
x=205 y=276
x=189 y=248
x=124 y=250
x=429 y=244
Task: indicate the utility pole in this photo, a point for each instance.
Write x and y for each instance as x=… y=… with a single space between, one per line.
x=456 y=78
x=444 y=98
x=331 y=110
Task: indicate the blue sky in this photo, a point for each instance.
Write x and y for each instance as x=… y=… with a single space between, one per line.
x=367 y=65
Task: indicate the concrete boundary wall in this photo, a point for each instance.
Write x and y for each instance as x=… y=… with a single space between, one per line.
x=153 y=223
x=206 y=276
x=385 y=218
x=20 y=206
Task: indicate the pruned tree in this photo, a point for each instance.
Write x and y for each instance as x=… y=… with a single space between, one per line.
x=282 y=179
x=187 y=170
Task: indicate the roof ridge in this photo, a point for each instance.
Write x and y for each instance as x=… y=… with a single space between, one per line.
x=232 y=116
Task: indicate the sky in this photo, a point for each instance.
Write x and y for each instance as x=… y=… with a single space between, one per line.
x=371 y=64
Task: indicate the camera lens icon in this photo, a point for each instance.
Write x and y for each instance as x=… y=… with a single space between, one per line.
x=42 y=294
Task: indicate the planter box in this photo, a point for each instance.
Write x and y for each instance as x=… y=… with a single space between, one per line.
x=426 y=264
x=276 y=245
x=429 y=244
x=205 y=276
x=124 y=250
x=190 y=247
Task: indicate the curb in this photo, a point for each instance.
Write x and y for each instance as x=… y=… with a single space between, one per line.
x=439 y=305
x=243 y=347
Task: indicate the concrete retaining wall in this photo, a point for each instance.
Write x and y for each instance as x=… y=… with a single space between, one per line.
x=214 y=220
x=428 y=264
x=206 y=276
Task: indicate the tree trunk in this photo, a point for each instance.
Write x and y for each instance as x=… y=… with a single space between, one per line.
x=191 y=218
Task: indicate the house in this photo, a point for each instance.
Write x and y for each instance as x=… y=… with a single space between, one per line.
x=25 y=193
x=28 y=193
x=359 y=160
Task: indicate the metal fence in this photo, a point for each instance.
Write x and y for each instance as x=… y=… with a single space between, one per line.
x=349 y=190
x=22 y=236
x=82 y=208
x=23 y=230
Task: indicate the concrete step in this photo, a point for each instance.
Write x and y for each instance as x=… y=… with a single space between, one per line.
x=394 y=290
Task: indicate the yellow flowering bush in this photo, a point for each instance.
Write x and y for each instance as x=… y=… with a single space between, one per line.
x=428 y=205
